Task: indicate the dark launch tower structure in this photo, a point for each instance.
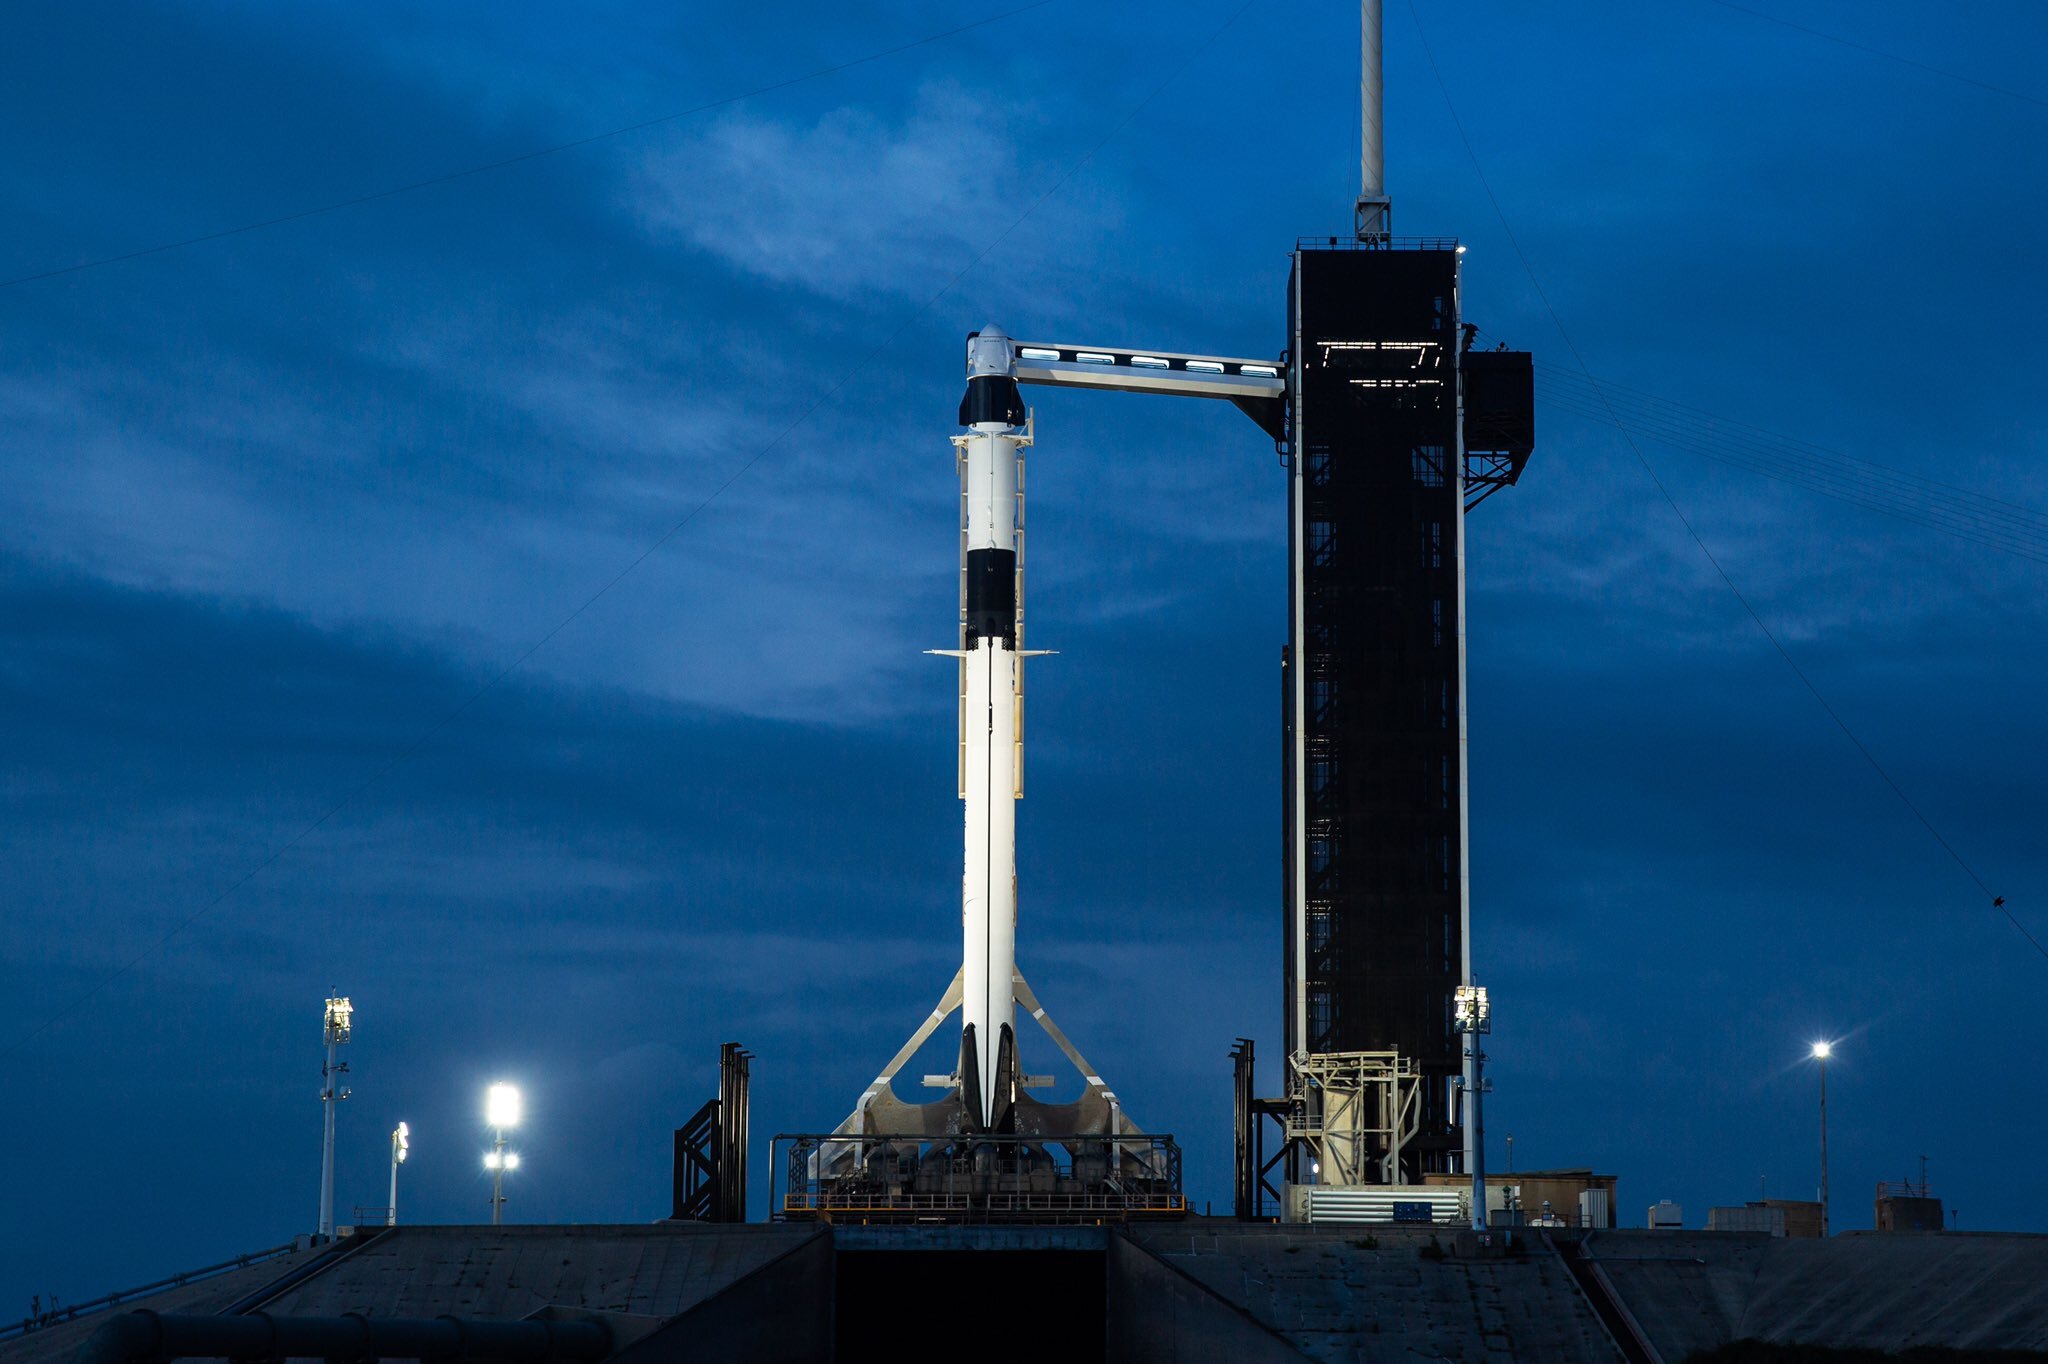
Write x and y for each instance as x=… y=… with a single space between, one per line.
x=1396 y=428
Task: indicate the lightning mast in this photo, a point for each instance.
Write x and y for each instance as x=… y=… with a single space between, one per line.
x=1375 y=209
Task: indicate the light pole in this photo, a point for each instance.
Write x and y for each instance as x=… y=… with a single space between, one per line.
x=1821 y=1052
x=501 y=1110
x=335 y=1029
x=401 y=1142
x=1473 y=1017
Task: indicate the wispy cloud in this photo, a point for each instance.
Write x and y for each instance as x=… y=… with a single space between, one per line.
x=854 y=205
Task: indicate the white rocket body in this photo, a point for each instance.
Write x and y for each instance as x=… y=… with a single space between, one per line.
x=990 y=724
x=990 y=744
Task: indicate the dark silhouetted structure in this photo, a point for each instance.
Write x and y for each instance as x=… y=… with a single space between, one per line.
x=1396 y=429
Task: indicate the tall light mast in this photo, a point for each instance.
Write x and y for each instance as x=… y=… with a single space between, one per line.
x=401 y=1145
x=335 y=1029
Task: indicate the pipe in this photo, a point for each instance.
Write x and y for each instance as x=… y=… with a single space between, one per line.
x=146 y=1335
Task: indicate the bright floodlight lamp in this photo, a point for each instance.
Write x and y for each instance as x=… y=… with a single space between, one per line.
x=501 y=1106
x=338 y=1013
x=1471 y=1010
x=1823 y=1050
x=501 y=1110
x=401 y=1146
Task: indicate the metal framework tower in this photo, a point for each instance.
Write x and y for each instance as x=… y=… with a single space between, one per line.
x=711 y=1149
x=1375 y=673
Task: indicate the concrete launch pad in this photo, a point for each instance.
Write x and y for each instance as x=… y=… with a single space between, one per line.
x=1202 y=1289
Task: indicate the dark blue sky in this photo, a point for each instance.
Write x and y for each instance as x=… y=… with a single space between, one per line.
x=280 y=505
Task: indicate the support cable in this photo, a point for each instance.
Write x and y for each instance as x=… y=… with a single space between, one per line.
x=1781 y=461
x=1707 y=447
x=436 y=728
x=1997 y=901
x=2015 y=512
x=1857 y=478
x=1880 y=52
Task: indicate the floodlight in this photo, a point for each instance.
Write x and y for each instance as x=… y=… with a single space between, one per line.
x=1823 y=1050
x=401 y=1145
x=511 y=1160
x=1471 y=1010
x=338 y=1012
x=501 y=1106
x=494 y=1160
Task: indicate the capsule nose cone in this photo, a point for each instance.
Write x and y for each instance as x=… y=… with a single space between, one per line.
x=989 y=351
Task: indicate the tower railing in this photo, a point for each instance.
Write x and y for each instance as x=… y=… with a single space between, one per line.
x=983 y=1177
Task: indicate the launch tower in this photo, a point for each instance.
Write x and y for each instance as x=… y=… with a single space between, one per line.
x=1385 y=457
x=1396 y=427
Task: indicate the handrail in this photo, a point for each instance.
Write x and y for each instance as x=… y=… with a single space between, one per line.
x=56 y=1316
x=1376 y=244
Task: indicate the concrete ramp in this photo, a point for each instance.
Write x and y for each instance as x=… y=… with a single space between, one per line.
x=1693 y=1292
x=658 y=1270
x=1386 y=1293
x=60 y=1342
x=1685 y=1293
x=780 y=1313
x=1894 y=1292
x=1157 y=1312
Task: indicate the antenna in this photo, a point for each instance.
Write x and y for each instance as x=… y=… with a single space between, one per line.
x=1375 y=209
